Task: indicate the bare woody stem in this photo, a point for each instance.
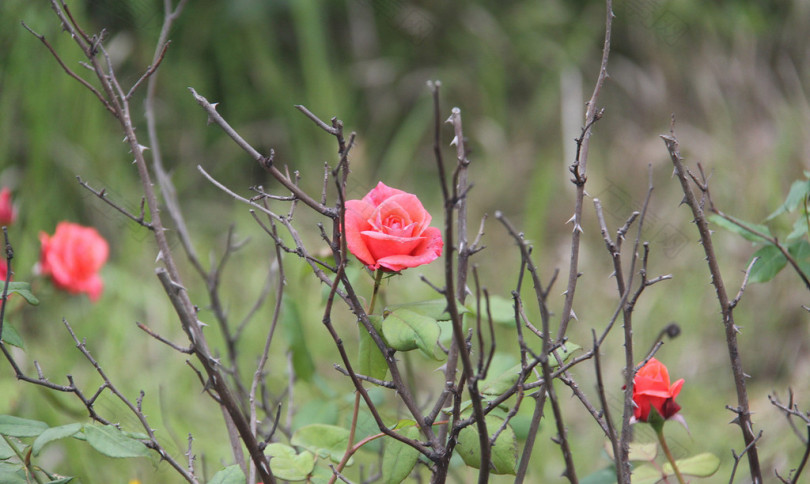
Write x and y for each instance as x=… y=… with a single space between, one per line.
x=579 y=170
x=117 y=101
x=453 y=196
x=726 y=308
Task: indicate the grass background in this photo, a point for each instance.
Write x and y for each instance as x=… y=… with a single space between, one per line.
x=734 y=74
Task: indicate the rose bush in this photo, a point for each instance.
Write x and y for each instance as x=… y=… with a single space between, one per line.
x=72 y=257
x=651 y=389
x=389 y=229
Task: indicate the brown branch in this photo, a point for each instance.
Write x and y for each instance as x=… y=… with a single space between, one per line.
x=150 y=70
x=215 y=117
x=153 y=443
x=579 y=170
x=453 y=196
x=743 y=412
x=102 y=194
x=611 y=430
x=145 y=329
x=183 y=306
x=70 y=72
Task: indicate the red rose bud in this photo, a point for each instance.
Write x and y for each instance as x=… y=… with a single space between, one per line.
x=72 y=257
x=8 y=212
x=389 y=229
x=651 y=389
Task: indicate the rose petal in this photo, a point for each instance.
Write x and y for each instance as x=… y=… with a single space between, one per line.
x=676 y=388
x=391 y=214
x=410 y=203
x=357 y=213
x=655 y=393
x=380 y=193
x=428 y=251
x=382 y=245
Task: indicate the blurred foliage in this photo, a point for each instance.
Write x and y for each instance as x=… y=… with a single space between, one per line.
x=733 y=73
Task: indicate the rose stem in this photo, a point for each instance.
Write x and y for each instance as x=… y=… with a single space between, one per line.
x=660 y=432
x=377 y=279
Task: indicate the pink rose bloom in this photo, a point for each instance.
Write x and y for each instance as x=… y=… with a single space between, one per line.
x=389 y=229
x=8 y=212
x=72 y=257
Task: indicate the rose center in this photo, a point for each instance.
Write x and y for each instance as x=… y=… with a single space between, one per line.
x=393 y=222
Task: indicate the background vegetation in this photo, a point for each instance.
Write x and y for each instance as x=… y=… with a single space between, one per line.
x=734 y=74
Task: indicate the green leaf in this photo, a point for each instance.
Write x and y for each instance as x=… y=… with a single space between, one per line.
x=503 y=452
x=366 y=427
x=316 y=410
x=291 y=321
x=643 y=452
x=434 y=308
x=564 y=352
x=770 y=261
x=797 y=194
x=135 y=435
x=54 y=433
x=799 y=228
x=6 y=452
x=800 y=251
x=747 y=234
x=23 y=289
x=320 y=475
x=63 y=480
x=401 y=424
x=406 y=330
x=113 y=443
x=646 y=474
x=370 y=361
x=399 y=458
x=502 y=310
x=602 y=476
x=21 y=427
x=229 y=475
x=521 y=425
x=11 y=336
x=13 y=475
x=323 y=440
x=639 y=451
x=701 y=465
x=287 y=464
x=502 y=374
x=502 y=382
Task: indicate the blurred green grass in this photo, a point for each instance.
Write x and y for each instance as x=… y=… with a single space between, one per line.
x=732 y=73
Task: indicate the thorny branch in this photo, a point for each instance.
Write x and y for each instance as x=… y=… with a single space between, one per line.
x=743 y=413
x=107 y=384
x=579 y=170
x=115 y=100
x=454 y=192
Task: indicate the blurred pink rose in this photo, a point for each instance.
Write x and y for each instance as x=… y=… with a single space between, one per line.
x=8 y=212
x=389 y=229
x=72 y=257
